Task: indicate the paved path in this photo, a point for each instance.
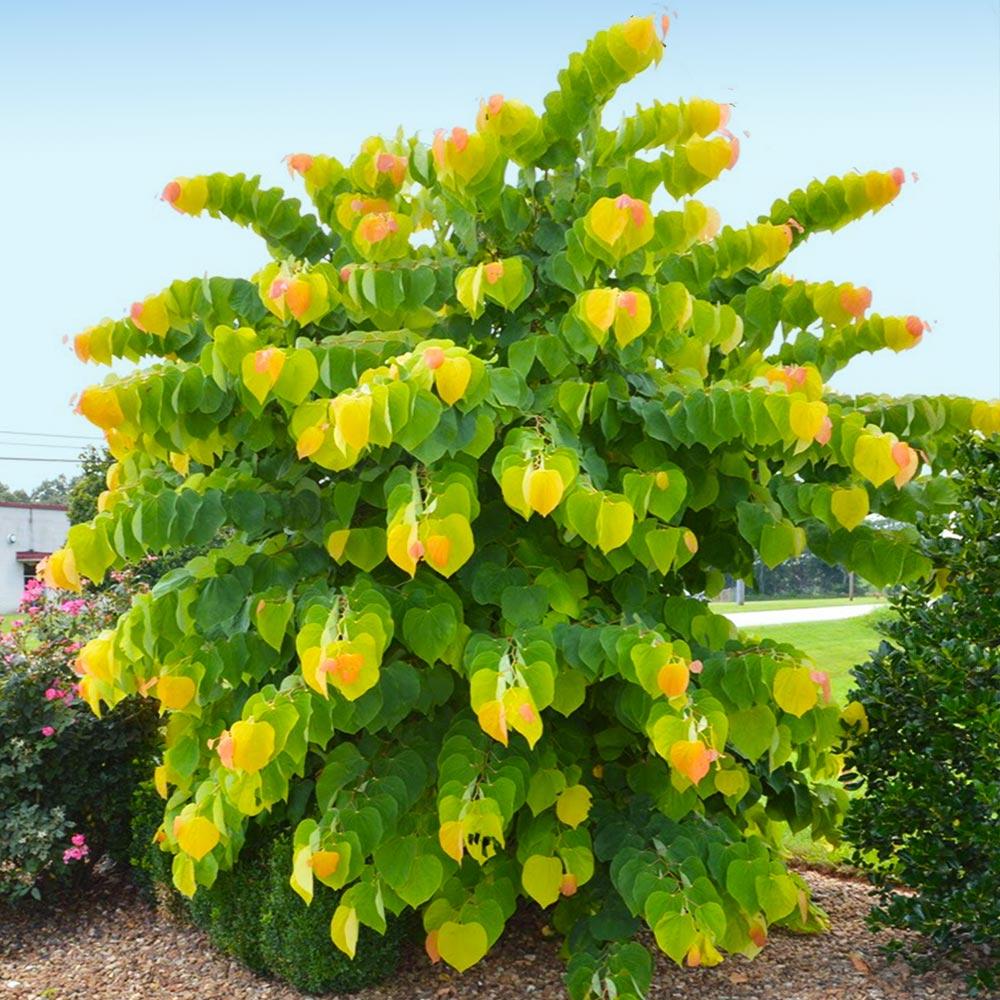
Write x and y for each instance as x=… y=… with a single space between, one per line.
x=790 y=616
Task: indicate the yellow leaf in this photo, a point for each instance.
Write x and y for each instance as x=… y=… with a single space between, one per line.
x=452 y=379
x=599 y=307
x=160 y=780
x=253 y=744
x=854 y=714
x=310 y=441
x=96 y=658
x=337 y=542
x=542 y=878
x=344 y=929
x=100 y=406
x=352 y=414
x=849 y=506
x=873 y=458
x=606 y=221
x=188 y=195
x=401 y=547
x=451 y=837
x=806 y=419
x=493 y=720
x=175 y=692
x=461 y=945
x=794 y=690
x=197 y=836
x=633 y=314
x=573 y=805
x=543 y=489
x=522 y=715
x=512 y=482
x=151 y=316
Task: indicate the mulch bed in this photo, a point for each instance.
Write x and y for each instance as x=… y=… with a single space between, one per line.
x=109 y=944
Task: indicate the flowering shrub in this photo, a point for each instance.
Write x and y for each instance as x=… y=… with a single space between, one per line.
x=474 y=483
x=65 y=776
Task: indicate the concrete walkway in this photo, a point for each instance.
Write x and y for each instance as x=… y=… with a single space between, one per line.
x=791 y=616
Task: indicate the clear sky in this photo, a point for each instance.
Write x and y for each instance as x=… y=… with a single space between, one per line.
x=101 y=103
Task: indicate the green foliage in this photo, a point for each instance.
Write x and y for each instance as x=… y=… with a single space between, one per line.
x=54 y=490
x=472 y=437
x=86 y=489
x=63 y=773
x=928 y=819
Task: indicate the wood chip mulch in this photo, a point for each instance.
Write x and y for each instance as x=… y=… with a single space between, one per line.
x=109 y=944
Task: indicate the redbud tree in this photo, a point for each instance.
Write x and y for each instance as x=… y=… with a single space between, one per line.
x=465 y=458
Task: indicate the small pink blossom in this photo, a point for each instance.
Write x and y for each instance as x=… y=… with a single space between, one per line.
x=78 y=839
x=75 y=853
x=52 y=693
x=48 y=731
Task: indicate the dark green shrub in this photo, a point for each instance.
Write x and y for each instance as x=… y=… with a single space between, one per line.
x=150 y=866
x=930 y=760
x=66 y=777
x=295 y=938
x=251 y=911
x=233 y=910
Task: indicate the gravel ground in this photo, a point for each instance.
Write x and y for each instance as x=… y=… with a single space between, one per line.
x=108 y=944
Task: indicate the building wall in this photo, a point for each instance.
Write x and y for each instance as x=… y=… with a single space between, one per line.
x=35 y=529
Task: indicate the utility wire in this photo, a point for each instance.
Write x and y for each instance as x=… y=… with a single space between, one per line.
x=36 y=444
x=75 y=437
x=20 y=458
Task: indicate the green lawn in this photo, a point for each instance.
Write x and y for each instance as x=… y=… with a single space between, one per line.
x=724 y=607
x=836 y=646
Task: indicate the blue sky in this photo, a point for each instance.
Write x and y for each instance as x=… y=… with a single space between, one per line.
x=102 y=103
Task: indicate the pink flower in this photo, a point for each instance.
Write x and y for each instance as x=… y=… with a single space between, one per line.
x=79 y=839
x=48 y=731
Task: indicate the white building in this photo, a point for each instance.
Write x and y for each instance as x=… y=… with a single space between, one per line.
x=28 y=532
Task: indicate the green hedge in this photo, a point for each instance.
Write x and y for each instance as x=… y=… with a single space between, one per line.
x=930 y=760
x=252 y=912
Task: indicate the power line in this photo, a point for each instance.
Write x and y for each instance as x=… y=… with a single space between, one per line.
x=36 y=444
x=75 y=437
x=19 y=458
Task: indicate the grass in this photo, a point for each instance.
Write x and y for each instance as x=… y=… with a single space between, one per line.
x=836 y=647
x=725 y=607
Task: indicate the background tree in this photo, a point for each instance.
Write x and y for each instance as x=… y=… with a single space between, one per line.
x=469 y=480
x=86 y=489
